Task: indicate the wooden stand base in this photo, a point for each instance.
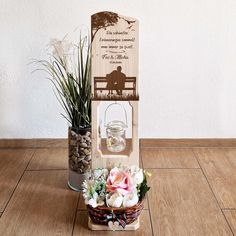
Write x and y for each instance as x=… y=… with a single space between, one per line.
x=113 y=226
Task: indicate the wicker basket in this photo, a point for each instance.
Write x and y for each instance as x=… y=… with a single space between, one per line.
x=101 y=215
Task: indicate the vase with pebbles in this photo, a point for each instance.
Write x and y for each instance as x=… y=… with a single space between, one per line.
x=69 y=69
x=79 y=152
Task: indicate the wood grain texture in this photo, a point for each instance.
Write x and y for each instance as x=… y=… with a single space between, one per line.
x=47 y=143
x=183 y=204
x=41 y=205
x=219 y=166
x=33 y=143
x=168 y=158
x=81 y=226
x=17 y=143
x=231 y=218
x=188 y=142
x=81 y=205
x=181 y=201
x=51 y=143
x=49 y=158
x=12 y=166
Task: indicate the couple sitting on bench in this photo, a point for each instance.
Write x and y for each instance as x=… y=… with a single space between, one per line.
x=116 y=81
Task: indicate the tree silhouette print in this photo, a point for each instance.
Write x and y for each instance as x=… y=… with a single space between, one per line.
x=102 y=20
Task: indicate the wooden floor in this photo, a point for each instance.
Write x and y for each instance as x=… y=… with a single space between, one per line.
x=193 y=192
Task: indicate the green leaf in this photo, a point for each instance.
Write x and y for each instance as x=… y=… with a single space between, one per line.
x=143 y=188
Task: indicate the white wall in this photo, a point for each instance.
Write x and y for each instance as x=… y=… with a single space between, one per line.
x=187 y=65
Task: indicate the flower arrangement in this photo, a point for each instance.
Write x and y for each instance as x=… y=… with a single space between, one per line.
x=119 y=187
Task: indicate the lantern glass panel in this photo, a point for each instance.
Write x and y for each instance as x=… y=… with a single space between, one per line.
x=115 y=128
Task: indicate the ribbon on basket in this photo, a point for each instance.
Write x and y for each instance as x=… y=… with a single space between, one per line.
x=120 y=217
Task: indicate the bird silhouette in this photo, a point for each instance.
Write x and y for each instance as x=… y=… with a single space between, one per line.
x=129 y=21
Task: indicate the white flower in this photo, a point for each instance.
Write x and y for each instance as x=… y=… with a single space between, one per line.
x=114 y=199
x=61 y=48
x=90 y=195
x=95 y=201
x=88 y=186
x=100 y=173
x=130 y=199
x=137 y=174
x=87 y=190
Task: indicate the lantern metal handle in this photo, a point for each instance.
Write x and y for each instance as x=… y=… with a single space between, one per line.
x=125 y=113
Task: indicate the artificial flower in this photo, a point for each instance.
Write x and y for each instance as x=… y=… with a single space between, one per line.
x=95 y=200
x=119 y=181
x=130 y=199
x=61 y=47
x=94 y=192
x=100 y=173
x=63 y=50
x=88 y=190
x=136 y=174
x=119 y=187
x=114 y=199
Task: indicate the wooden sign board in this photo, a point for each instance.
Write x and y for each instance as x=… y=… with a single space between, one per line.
x=114 y=79
x=114 y=57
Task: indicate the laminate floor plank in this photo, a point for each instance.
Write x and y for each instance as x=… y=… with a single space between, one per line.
x=168 y=158
x=81 y=226
x=81 y=205
x=49 y=158
x=219 y=166
x=41 y=205
x=231 y=218
x=181 y=203
x=12 y=165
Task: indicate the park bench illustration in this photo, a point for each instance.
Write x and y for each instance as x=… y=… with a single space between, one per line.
x=115 y=85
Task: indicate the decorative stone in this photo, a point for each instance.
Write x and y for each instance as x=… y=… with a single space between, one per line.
x=83 y=144
x=88 y=158
x=87 y=152
x=79 y=152
x=85 y=162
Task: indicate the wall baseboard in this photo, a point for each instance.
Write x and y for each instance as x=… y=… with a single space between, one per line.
x=145 y=143
x=188 y=142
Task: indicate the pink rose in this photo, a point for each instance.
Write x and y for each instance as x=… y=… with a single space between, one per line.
x=119 y=181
